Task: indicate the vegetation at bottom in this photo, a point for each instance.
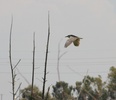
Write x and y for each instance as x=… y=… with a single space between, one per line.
x=91 y=88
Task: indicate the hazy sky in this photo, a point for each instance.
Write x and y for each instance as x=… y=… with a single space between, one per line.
x=93 y=20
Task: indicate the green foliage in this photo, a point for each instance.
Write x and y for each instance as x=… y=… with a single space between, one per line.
x=61 y=91
x=26 y=93
x=92 y=87
x=112 y=82
x=37 y=94
x=78 y=86
x=112 y=78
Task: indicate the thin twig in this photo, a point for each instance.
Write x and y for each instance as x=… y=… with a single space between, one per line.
x=62 y=54
x=23 y=76
x=58 y=59
x=17 y=64
x=74 y=70
x=18 y=88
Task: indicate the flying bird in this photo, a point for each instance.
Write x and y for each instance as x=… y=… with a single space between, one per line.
x=74 y=39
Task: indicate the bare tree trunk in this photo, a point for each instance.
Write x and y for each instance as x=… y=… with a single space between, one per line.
x=11 y=65
x=10 y=58
x=45 y=69
x=33 y=69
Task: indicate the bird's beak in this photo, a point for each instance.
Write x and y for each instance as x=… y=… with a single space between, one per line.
x=66 y=36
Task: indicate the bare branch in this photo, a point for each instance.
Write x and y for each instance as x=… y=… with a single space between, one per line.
x=10 y=58
x=74 y=70
x=58 y=59
x=45 y=69
x=17 y=64
x=23 y=76
x=62 y=54
x=33 y=69
x=18 y=88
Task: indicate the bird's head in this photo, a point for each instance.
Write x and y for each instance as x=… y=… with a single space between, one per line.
x=70 y=36
x=73 y=36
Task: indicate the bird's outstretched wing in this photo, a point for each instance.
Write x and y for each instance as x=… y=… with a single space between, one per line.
x=69 y=41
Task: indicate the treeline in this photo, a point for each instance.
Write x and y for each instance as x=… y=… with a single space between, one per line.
x=91 y=88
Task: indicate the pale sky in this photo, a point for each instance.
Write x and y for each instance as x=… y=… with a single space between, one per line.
x=93 y=20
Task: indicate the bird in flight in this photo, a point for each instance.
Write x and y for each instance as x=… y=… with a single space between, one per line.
x=74 y=39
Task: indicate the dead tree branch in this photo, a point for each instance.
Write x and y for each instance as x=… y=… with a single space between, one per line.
x=17 y=64
x=10 y=58
x=11 y=65
x=58 y=59
x=33 y=69
x=18 y=88
x=23 y=76
x=45 y=69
